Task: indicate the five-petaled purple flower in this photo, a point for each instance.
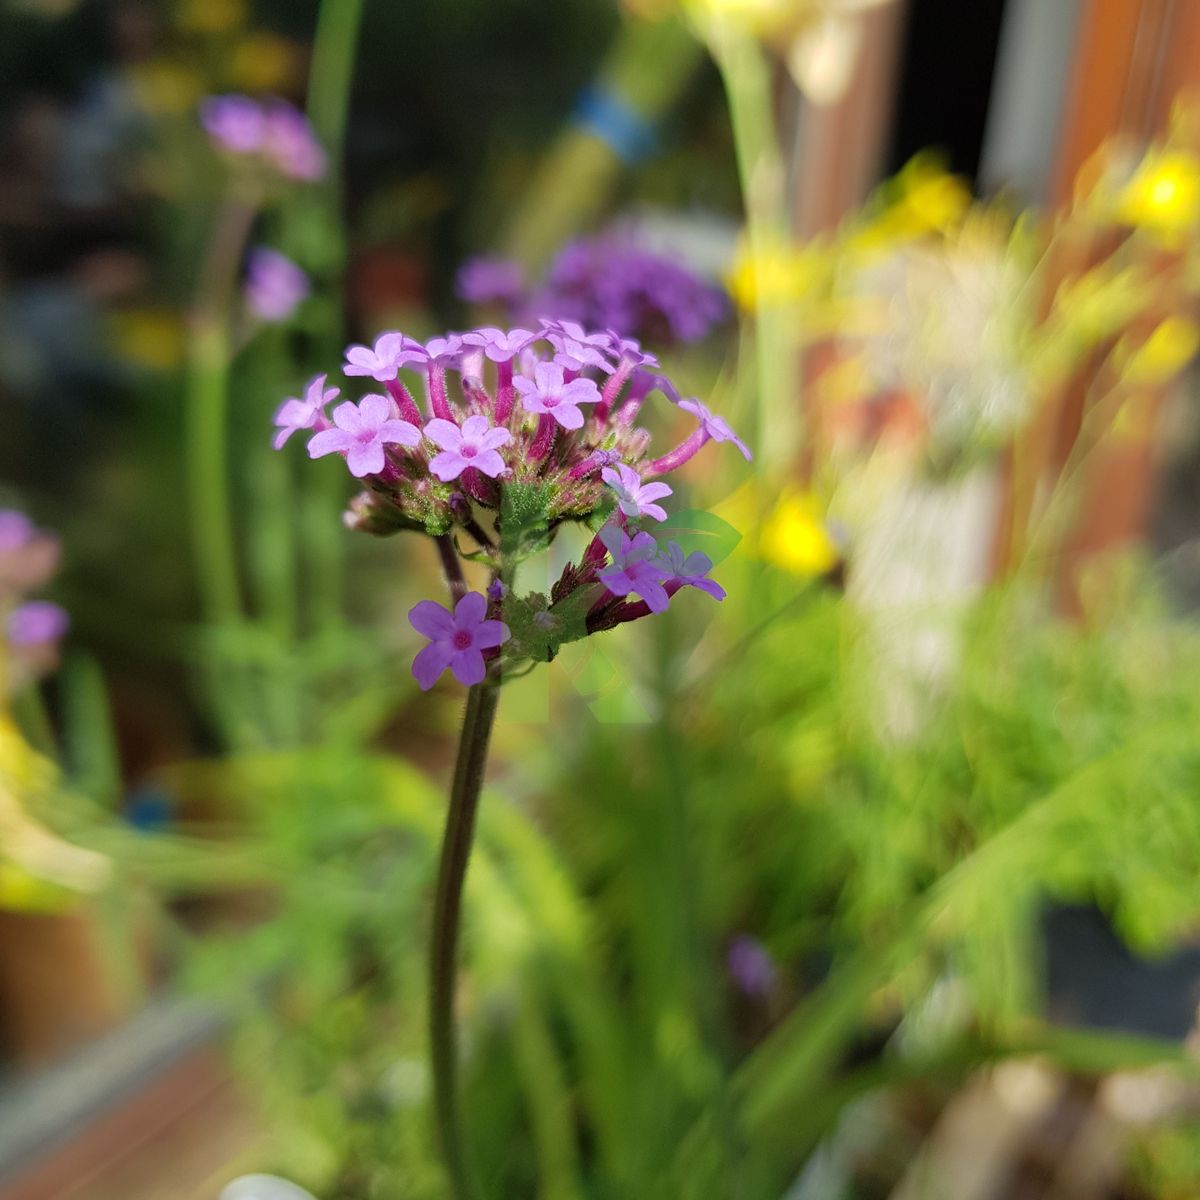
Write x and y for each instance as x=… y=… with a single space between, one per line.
x=575 y=348
x=361 y=432
x=383 y=360
x=635 y=567
x=274 y=284
x=635 y=498
x=500 y=345
x=294 y=415
x=474 y=445
x=547 y=392
x=715 y=427
x=456 y=639
x=37 y=623
x=691 y=570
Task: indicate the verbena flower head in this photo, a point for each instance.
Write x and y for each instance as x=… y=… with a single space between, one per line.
x=272 y=136
x=497 y=437
x=275 y=286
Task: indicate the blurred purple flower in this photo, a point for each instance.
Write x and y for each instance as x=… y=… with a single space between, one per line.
x=16 y=529
x=289 y=142
x=275 y=286
x=37 y=623
x=235 y=123
x=751 y=966
x=490 y=280
x=456 y=640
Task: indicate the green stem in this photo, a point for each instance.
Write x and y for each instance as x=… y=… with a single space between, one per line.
x=480 y=715
x=207 y=450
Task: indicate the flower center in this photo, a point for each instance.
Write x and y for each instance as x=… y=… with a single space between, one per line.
x=462 y=639
x=550 y=399
x=469 y=451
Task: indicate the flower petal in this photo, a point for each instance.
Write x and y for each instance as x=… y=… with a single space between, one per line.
x=494 y=439
x=365 y=458
x=468 y=667
x=431 y=619
x=470 y=610
x=444 y=433
x=491 y=633
x=374 y=409
x=448 y=465
x=399 y=433
x=329 y=441
x=490 y=463
x=430 y=662
x=475 y=427
x=567 y=415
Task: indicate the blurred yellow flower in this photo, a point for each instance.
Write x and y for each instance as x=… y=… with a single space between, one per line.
x=148 y=337
x=265 y=62
x=166 y=88
x=22 y=892
x=1163 y=195
x=1164 y=353
x=211 y=16
x=794 y=536
x=780 y=276
x=922 y=199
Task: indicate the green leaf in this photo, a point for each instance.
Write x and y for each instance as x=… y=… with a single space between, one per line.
x=695 y=529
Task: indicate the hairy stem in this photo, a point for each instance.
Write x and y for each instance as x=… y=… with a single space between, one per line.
x=447 y=911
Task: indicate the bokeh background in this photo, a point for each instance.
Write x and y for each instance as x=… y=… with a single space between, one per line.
x=879 y=879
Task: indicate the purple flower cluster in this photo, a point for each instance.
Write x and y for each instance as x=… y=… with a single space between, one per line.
x=271 y=132
x=275 y=286
x=519 y=430
x=606 y=282
x=32 y=628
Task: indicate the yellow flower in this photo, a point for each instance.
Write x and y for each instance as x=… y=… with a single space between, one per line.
x=1164 y=194
x=265 y=62
x=781 y=276
x=211 y=16
x=922 y=199
x=1163 y=354
x=794 y=536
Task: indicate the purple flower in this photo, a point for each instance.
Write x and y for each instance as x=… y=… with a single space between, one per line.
x=499 y=345
x=456 y=640
x=37 y=623
x=361 y=432
x=751 y=965
x=635 y=498
x=715 y=427
x=635 y=567
x=547 y=393
x=290 y=144
x=274 y=285
x=293 y=415
x=235 y=123
x=691 y=570
x=629 y=350
x=575 y=348
x=16 y=530
x=486 y=280
x=444 y=351
x=474 y=445
x=383 y=360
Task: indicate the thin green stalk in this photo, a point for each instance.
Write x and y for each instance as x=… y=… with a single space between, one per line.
x=746 y=73
x=469 y=769
x=206 y=446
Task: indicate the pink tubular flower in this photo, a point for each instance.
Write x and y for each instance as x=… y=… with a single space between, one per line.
x=474 y=445
x=690 y=570
x=715 y=427
x=547 y=393
x=294 y=415
x=275 y=286
x=444 y=351
x=361 y=432
x=383 y=360
x=456 y=639
x=498 y=344
x=635 y=498
x=635 y=567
